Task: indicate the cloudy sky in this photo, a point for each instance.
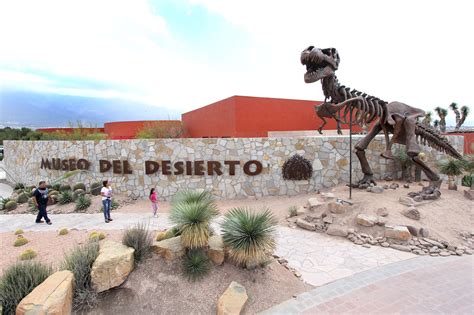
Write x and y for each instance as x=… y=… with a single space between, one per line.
x=183 y=54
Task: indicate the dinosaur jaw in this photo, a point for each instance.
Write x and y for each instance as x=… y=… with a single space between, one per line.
x=319 y=63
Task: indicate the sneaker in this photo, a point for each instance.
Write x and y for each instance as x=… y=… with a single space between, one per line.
x=106 y=221
x=110 y=219
x=49 y=223
x=38 y=222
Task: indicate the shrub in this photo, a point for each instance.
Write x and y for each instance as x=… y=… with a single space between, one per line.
x=18 y=281
x=95 y=188
x=28 y=254
x=83 y=202
x=22 y=198
x=20 y=241
x=467 y=180
x=18 y=232
x=193 y=214
x=64 y=187
x=11 y=205
x=65 y=197
x=113 y=206
x=452 y=168
x=138 y=237
x=56 y=187
x=79 y=261
x=196 y=264
x=53 y=193
x=292 y=211
x=249 y=236
x=19 y=186
x=96 y=236
x=63 y=231
x=79 y=186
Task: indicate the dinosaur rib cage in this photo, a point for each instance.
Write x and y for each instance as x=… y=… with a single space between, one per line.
x=426 y=135
x=364 y=111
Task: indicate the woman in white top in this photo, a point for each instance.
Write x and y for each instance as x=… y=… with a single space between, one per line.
x=106 y=193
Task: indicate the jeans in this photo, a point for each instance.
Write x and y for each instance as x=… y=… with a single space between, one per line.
x=42 y=214
x=106 y=203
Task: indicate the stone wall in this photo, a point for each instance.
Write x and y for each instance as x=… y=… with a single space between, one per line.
x=329 y=156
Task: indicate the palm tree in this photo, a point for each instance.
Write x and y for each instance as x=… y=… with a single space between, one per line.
x=455 y=108
x=452 y=168
x=464 y=113
x=442 y=113
x=427 y=119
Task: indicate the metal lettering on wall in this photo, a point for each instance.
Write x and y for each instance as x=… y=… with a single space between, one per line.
x=165 y=167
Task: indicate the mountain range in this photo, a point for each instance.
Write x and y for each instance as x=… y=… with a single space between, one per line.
x=36 y=110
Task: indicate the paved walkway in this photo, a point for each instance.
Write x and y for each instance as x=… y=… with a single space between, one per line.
x=422 y=285
x=319 y=258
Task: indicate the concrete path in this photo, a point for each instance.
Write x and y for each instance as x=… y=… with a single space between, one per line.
x=319 y=258
x=422 y=285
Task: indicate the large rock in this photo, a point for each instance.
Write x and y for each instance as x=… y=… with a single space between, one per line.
x=412 y=213
x=397 y=232
x=314 y=203
x=170 y=249
x=112 y=266
x=53 y=296
x=406 y=201
x=336 y=207
x=233 y=300
x=216 y=249
x=337 y=230
x=366 y=219
x=302 y=223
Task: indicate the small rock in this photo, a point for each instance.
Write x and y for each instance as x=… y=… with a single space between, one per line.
x=434 y=254
x=377 y=189
x=388 y=178
x=424 y=232
x=412 y=213
x=459 y=252
x=297 y=274
x=382 y=212
x=305 y=224
x=401 y=247
x=373 y=242
x=444 y=254
x=359 y=242
x=337 y=230
x=385 y=244
x=433 y=242
x=418 y=198
x=398 y=232
x=366 y=219
x=351 y=231
x=233 y=300
x=413 y=231
x=406 y=186
x=328 y=219
x=394 y=186
x=434 y=249
x=366 y=245
x=468 y=252
x=385 y=186
x=380 y=221
x=407 y=201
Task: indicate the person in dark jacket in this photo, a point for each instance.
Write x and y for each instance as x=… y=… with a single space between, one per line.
x=40 y=199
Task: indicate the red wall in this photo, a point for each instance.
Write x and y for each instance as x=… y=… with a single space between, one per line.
x=468 y=140
x=129 y=129
x=244 y=116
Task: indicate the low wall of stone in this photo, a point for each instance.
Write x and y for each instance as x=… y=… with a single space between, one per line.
x=329 y=156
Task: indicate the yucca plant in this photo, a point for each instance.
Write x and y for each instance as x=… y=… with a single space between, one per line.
x=249 y=236
x=196 y=264
x=83 y=202
x=65 y=197
x=189 y=196
x=193 y=219
x=452 y=168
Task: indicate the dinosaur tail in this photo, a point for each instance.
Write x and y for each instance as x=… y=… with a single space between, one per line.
x=427 y=135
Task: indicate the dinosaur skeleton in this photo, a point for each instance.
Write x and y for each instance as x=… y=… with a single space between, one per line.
x=394 y=118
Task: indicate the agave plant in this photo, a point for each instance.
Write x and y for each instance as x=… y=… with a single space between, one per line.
x=249 y=236
x=189 y=196
x=65 y=197
x=193 y=218
x=196 y=264
x=83 y=202
x=452 y=168
x=468 y=166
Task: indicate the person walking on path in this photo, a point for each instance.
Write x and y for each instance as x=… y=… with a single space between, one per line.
x=40 y=199
x=154 y=201
x=106 y=193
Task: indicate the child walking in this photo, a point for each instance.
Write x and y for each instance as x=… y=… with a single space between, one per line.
x=154 y=201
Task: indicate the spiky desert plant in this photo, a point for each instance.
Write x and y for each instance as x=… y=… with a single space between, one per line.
x=442 y=113
x=19 y=186
x=455 y=108
x=28 y=254
x=464 y=114
x=292 y=211
x=18 y=281
x=19 y=232
x=65 y=197
x=194 y=218
x=468 y=166
x=427 y=119
x=83 y=202
x=79 y=261
x=78 y=193
x=249 y=236
x=53 y=192
x=196 y=264
x=63 y=231
x=20 y=241
x=452 y=168
x=138 y=237
x=189 y=196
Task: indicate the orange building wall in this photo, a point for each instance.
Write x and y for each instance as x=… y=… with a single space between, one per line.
x=468 y=140
x=129 y=129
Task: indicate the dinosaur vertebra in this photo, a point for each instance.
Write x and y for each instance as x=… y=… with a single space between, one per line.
x=396 y=118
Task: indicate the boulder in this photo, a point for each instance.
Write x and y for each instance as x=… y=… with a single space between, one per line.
x=216 y=249
x=469 y=194
x=328 y=196
x=300 y=211
x=412 y=213
x=366 y=219
x=170 y=249
x=336 y=207
x=377 y=189
x=394 y=186
x=413 y=231
x=112 y=266
x=383 y=212
x=398 y=233
x=233 y=300
x=305 y=224
x=406 y=201
x=337 y=230
x=52 y=296
x=314 y=203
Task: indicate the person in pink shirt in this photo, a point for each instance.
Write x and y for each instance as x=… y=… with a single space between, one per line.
x=154 y=201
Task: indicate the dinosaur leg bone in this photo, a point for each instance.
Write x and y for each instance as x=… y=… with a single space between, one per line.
x=360 y=152
x=432 y=191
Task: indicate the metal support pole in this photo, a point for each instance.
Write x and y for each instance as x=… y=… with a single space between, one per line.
x=350 y=152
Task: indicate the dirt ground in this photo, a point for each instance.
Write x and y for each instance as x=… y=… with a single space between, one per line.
x=156 y=286
x=49 y=246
